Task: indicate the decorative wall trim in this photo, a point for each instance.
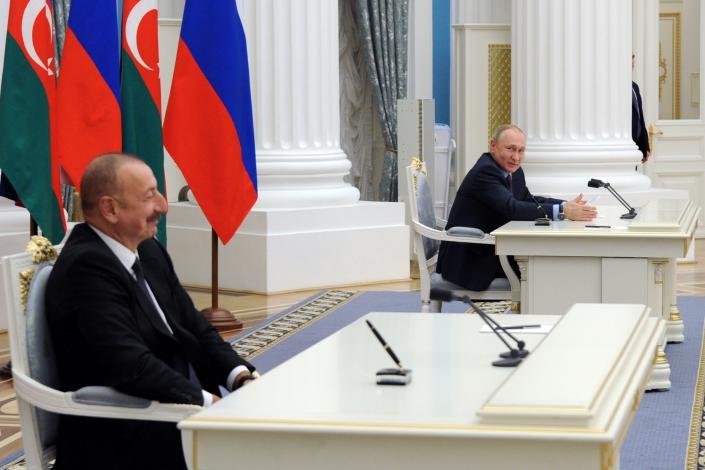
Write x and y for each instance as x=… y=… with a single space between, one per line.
x=499 y=85
x=670 y=63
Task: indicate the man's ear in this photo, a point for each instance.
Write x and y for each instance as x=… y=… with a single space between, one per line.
x=493 y=146
x=107 y=207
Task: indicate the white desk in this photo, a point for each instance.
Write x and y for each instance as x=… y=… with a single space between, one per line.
x=569 y=403
x=634 y=261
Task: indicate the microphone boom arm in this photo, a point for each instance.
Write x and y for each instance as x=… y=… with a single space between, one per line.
x=631 y=210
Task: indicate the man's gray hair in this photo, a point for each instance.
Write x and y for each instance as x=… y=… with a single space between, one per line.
x=100 y=178
x=502 y=128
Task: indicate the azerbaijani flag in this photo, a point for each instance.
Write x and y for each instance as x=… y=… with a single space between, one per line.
x=208 y=128
x=26 y=114
x=88 y=93
x=141 y=90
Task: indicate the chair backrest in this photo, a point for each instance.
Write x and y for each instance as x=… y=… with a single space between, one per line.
x=420 y=196
x=41 y=360
x=31 y=348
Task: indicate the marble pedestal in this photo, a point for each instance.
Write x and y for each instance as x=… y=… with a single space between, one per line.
x=279 y=250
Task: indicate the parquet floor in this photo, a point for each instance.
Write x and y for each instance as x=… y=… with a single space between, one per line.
x=252 y=308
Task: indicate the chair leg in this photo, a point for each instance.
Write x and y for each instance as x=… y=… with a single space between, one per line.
x=436 y=306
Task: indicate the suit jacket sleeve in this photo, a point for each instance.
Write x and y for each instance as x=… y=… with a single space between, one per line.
x=491 y=189
x=221 y=357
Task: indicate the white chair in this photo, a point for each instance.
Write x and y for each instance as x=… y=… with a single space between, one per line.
x=426 y=240
x=35 y=376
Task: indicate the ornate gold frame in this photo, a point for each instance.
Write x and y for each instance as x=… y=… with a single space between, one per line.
x=675 y=18
x=499 y=88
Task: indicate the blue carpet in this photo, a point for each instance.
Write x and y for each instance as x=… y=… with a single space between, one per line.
x=658 y=437
x=359 y=306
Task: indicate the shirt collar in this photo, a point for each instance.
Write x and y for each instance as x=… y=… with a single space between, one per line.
x=126 y=256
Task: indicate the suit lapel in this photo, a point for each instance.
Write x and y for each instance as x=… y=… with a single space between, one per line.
x=150 y=311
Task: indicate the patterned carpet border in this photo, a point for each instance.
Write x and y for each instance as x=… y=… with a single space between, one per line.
x=695 y=455
x=266 y=337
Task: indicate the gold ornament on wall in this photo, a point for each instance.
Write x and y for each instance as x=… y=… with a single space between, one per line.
x=499 y=102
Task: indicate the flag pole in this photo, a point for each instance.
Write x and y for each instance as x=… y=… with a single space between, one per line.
x=221 y=318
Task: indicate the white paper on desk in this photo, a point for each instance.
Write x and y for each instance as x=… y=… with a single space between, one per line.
x=543 y=329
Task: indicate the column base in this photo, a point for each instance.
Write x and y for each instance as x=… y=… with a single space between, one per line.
x=280 y=250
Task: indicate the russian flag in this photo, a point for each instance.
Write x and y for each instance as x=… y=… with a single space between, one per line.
x=208 y=128
x=88 y=92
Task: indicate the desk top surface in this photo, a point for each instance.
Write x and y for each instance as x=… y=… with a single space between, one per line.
x=665 y=218
x=454 y=388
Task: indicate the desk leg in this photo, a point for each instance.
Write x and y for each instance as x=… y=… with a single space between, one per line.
x=525 y=305
x=661 y=372
x=675 y=331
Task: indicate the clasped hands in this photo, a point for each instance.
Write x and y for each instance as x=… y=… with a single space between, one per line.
x=242 y=379
x=578 y=209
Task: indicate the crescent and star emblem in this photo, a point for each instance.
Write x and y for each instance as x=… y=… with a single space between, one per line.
x=132 y=24
x=29 y=18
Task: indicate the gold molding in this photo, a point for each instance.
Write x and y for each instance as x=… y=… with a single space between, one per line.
x=697 y=426
x=499 y=84
x=676 y=66
x=607 y=452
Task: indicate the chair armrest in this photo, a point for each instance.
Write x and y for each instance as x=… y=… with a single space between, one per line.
x=47 y=398
x=108 y=396
x=445 y=236
x=469 y=232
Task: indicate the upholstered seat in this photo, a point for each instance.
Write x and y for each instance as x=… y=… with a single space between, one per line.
x=426 y=240
x=36 y=383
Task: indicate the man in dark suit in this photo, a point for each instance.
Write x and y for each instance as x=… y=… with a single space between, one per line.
x=640 y=135
x=493 y=193
x=110 y=328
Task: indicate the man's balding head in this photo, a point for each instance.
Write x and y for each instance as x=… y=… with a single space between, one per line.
x=101 y=179
x=119 y=196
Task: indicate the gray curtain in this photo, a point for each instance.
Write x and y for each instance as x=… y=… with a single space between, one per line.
x=384 y=29
x=61 y=17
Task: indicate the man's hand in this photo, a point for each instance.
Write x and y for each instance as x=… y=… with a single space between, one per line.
x=578 y=209
x=215 y=398
x=243 y=378
x=646 y=157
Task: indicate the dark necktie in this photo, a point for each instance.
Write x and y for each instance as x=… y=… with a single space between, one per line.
x=142 y=283
x=509 y=181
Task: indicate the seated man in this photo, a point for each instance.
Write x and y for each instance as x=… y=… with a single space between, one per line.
x=110 y=327
x=493 y=193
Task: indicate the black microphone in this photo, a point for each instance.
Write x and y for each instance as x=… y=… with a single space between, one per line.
x=545 y=220
x=595 y=183
x=513 y=357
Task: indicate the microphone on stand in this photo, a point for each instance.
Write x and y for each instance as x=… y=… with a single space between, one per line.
x=595 y=183
x=545 y=220
x=511 y=358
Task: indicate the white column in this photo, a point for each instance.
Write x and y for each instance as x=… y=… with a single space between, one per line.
x=308 y=229
x=420 y=78
x=571 y=93
x=293 y=50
